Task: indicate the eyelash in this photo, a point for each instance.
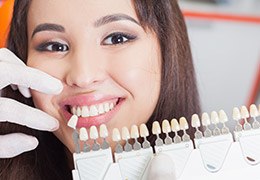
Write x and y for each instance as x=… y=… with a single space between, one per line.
x=124 y=38
x=46 y=45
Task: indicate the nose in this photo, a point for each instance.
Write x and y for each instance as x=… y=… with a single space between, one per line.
x=85 y=70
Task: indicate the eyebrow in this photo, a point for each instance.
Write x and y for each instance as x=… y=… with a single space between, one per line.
x=102 y=21
x=48 y=27
x=112 y=18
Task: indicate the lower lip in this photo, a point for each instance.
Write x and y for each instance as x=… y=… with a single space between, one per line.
x=87 y=122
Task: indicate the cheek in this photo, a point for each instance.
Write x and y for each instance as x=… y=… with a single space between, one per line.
x=139 y=72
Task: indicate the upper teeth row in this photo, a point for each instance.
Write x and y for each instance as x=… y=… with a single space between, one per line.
x=93 y=110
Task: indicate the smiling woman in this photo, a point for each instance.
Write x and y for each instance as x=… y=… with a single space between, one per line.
x=120 y=63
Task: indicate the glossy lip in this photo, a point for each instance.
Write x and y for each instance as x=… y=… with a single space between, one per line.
x=88 y=100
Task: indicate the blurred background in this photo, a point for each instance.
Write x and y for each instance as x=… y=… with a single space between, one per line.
x=225 y=42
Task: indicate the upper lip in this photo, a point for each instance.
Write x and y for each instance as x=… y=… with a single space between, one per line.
x=87 y=99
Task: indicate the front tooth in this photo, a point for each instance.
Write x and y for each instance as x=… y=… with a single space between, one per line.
x=78 y=111
x=111 y=106
x=101 y=109
x=85 y=111
x=106 y=106
x=73 y=110
x=93 y=111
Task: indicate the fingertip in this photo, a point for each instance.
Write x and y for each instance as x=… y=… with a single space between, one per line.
x=24 y=91
x=55 y=86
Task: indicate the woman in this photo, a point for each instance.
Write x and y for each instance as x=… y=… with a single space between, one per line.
x=131 y=55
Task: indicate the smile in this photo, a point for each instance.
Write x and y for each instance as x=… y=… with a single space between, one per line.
x=91 y=110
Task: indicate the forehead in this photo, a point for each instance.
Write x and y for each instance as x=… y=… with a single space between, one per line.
x=81 y=11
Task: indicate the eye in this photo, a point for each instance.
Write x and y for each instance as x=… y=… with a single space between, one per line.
x=53 y=47
x=118 y=38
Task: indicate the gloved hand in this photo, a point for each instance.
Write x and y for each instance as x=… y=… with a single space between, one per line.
x=162 y=168
x=14 y=72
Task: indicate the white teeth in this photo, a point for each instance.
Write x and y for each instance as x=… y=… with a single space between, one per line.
x=116 y=135
x=85 y=111
x=134 y=132
x=166 y=128
x=143 y=130
x=222 y=116
x=156 y=129
x=78 y=111
x=83 y=134
x=253 y=111
x=101 y=109
x=93 y=132
x=93 y=111
x=103 y=131
x=106 y=107
x=125 y=133
x=236 y=114
x=214 y=117
x=244 y=112
x=111 y=106
x=183 y=123
x=73 y=110
x=195 y=120
x=205 y=119
x=175 y=125
x=73 y=121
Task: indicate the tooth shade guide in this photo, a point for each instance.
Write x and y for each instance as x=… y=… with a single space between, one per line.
x=94 y=135
x=144 y=133
x=195 y=122
x=245 y=115
x=183 y=126
x=236 y=115
x=253 y=111
x=223 y=119
x=135 y=135
x=103 y=132
x=126 y=137
x=254 y=114
x=205 y=119
x=215 y=120
x=116 y=138
x=83 y=134
x=84 y=137
x=73 y=121
x=166 y=128
x=175 y=128
x=156 y=130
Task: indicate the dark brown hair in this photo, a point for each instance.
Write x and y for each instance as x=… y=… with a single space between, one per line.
x=178 y=94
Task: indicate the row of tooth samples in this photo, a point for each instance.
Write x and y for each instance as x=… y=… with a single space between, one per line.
x=221 y=118
x=133 y=134
x=244 y=114
x=166 y=127
x=83 y=136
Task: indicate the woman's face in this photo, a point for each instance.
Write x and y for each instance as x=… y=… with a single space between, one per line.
x=108 y=64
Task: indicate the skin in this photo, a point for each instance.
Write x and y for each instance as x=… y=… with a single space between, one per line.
x=92 y=65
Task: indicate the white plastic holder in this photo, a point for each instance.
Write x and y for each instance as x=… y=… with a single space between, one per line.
x=134 y=165
x=214 y=150
x=250 y=145
x=93 y=165
x=179 y=154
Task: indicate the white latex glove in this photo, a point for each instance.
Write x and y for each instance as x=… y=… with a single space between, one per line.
x=14 y=72
x=162 y=168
